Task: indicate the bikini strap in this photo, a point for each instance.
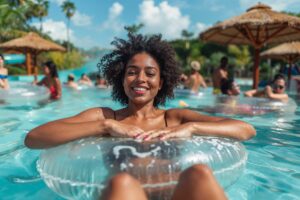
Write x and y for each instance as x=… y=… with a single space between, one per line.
x=115 y=117
x=165 y=117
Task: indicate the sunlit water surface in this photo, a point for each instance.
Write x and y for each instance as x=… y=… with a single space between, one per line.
x=272 y=171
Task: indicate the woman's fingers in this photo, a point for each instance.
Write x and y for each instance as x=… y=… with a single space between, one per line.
x=144 y=135
x=153 y=135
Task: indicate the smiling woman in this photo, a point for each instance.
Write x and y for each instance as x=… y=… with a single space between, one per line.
x=143 y=73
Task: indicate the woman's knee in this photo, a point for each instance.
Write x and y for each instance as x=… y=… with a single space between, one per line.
x=123 y=180
x=197 y=172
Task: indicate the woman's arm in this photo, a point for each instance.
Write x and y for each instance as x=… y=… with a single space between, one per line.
x=271 y=95
x=58 y=87
x=250 y=93
x=88 y=123
x=216 y=126
x=92 y=122
x=202 y=82
x=193 y=123
x=41 y=82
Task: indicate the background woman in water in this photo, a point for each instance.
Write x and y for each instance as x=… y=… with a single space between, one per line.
x=3 y=74
x=51 y=80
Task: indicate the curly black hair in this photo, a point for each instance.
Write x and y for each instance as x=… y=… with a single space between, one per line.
x=114 y=64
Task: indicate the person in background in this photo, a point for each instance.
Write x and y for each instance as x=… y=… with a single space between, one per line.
x=85 y=80
x=275 y=91
x=195 y=80
x=229 y=87
x=51 y=80
x=71 y=82
x=3 y=74
x=100 y=82
x=219 y=74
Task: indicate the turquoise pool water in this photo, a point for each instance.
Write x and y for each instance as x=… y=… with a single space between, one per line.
x=272 y=172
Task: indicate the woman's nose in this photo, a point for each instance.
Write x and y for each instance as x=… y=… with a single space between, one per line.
x=141 y=76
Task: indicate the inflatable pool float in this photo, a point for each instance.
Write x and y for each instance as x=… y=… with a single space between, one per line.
x=187 y=93
x=244 y=105
x=23 y=94
x=82 y=168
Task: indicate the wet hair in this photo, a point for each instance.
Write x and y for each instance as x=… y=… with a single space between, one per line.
x=52 y=67
x=114 y=65
x=278 y=77
x=224 y=61
x=71 y=78
x=1 y=55
x=226 y=84
x=98 y=76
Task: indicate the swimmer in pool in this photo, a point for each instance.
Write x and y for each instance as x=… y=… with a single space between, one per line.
x=3 y=74
x=275 y=91
x=143 y=72
x=51 y=80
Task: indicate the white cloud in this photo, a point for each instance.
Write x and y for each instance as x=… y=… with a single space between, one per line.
x=199 y=27
x=113 y=22
x=279 y=5
x=115 y=10
x=80 y=19
x=56 y=29
x=163 y=18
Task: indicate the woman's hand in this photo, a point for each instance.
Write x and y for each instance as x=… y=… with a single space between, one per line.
x=118 y=129
x=180 y=131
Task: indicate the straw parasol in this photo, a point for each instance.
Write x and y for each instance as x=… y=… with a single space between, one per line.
x=259 y=26
x=31 y=44
x=290 y=52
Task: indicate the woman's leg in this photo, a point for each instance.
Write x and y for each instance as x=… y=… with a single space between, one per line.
x=125 y=187
x=198 y=182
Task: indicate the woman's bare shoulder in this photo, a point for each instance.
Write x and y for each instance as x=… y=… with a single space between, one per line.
x=178 y=112
x=97 y=113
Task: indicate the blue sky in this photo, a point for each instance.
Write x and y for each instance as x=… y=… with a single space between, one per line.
x=97 y=22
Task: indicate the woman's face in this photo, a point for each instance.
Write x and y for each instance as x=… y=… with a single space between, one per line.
x=142 y=78
x=235 y=90
x=279 y=86
x=46 y=70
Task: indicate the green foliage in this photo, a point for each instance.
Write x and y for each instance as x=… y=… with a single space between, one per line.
x=265 y=71
x=241 y=55
x=292 y=14
x=68 y=8
x=40 y=10
x=13 y=70
x=69 y=60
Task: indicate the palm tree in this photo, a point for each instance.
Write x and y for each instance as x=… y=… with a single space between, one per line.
x=12 y=20
x=134 y=28
x=187 y=36
x=40 y=10
x=69 y=9
x=241 y=54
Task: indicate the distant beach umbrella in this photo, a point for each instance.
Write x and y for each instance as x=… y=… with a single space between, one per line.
x=31 y=44
x=289 y=52
x=259 y=26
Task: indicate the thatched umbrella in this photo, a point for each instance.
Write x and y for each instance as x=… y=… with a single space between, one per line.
x=289 y=52
x=259 y=26
x=31 y=44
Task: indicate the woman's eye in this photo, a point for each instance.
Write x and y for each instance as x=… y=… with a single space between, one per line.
x=150 y=73
x=131 y=72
